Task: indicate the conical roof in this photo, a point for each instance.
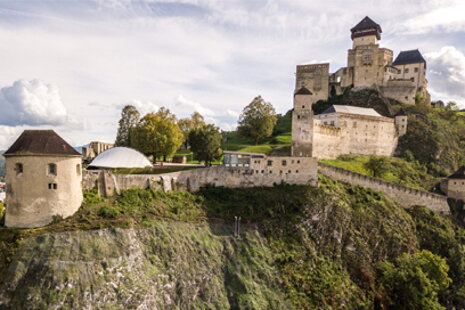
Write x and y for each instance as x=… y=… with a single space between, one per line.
x=41 y=142
x=303 y=91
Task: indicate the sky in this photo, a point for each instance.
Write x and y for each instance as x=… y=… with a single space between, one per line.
x=72 y=65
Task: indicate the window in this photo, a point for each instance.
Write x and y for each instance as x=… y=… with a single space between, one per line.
x=289 y=171
x=263 y=171
x=19 y=168
x=332 y=123
x=78 y=169
x=406 y=70
x=355 y=125
x=52 y=169
x=367 y=58
x=256 y=171
x=303 y=107
x=412 y=79
x=270 y=163
x=284 y=163
x=297 y=171
x=416 y=70
x=52 y=186
x=271 y=171
x=298 y=161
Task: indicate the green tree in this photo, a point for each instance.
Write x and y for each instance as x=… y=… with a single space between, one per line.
x=378 y=166
x=257 y=120
x=205 y=142
x=413 y=281
x=157 y=134
x=188 y=124
x=129 y=120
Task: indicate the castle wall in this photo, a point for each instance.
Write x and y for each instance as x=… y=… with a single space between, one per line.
x=454 y=188
x=400 y=90
x=315 y=78
x=353 y=134
x=29 y=200
x=368 y=62
x=404 y=196
x=292 y=170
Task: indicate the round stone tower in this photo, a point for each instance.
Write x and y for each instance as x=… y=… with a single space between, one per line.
x=43 y=179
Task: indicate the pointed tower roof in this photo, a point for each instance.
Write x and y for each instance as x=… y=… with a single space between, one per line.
x=41 y=142
x=366 y=27
x=303 y=91
x=409 y=57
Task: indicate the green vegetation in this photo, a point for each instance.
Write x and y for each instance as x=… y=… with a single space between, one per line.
x=414 y=281
x=435 y=137
x=129 y=119
x=332 y=247
x=196 y=121
x=273 y=145
x=257 y=120
x=205 y=143
x=396 y=170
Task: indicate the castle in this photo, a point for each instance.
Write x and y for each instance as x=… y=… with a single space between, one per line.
x=353 y=130
x=368 y=66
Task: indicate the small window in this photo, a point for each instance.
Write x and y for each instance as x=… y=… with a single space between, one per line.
x=78 y=169
x=19 y=168
x=270 y=163
x=263 y=171
x=416 y=70
x=292 y=161
x=355 y=125
x=289 y=171
x=297 y=171
x=298 y=116
x=52 y=186
x=256 y=171
x=284 y=163
x=406 y=97
x=298 y=161
x=412 y=79
x=303 y=107
x=406 y=70
x=271 y=171
x=52 y=169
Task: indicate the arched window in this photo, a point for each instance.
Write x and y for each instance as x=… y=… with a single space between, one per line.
x=19 y=168
x=52 y=169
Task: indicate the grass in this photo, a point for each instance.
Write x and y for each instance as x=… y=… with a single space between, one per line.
x=400 y=171
x=269 y=145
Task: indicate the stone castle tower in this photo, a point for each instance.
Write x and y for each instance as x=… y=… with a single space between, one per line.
x=302 y=123
x=369 y=66
x=43 y=179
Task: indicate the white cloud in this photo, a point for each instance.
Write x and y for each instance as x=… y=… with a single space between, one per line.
x=190 y=106
x=143 y=107
x=446 y=73
x=232 y=113
x=32 y=103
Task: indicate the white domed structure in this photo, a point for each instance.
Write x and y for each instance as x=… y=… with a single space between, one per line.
x=120 y=157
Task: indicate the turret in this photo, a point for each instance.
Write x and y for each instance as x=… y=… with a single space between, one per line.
x=302 y=123
x=400 y=120
x=366 y=32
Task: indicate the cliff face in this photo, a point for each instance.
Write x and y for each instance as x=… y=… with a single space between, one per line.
x=170 y=266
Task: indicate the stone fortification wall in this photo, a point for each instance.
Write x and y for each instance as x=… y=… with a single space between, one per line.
x=400 y=90
x=302 y=171
x=349 y=134
x=404 y=196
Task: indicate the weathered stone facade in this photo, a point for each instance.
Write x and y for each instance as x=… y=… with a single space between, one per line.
x=404 y=196
x=369 y=66
x=43 y=181
x=262 y=171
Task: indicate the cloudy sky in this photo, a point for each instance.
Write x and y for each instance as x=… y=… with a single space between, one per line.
x=71 y=65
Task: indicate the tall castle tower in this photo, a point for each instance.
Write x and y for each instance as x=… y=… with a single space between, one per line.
x=302 y=123
x=366 y=60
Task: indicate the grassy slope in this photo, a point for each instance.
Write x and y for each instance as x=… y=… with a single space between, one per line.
x=399 y=170
x=325 y=242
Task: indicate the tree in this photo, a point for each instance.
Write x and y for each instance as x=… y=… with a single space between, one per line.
x=157 y=134
x=188 y=124
x=129 y=120
x=378 y=166
x=205 y=142
x=413 y=281
x=257 y=120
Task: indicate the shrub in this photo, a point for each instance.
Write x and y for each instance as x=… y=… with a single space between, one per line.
x=91 y=197
x=109 y=212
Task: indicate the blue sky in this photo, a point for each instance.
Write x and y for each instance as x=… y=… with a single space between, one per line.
x=72 y=65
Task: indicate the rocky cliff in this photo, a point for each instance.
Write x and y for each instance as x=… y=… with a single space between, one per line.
x=300 y=248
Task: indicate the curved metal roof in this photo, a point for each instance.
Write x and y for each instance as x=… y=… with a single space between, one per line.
x=120 y=157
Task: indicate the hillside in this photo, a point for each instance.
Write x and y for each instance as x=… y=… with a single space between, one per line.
x=300 y=248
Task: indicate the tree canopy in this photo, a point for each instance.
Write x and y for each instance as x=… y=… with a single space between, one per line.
x=257 y=120
x=129 y=120
x=157 y=134
x=188 y=124
x=205 y=143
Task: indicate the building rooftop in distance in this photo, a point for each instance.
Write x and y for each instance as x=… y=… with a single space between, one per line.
x=351 y=110
x=409 y=57
x=41 y=142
